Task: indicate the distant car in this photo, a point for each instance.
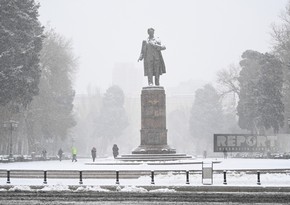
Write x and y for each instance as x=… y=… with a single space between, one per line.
x=237 y=155
x=286 y=155
x=276 y=156
x=259 y=155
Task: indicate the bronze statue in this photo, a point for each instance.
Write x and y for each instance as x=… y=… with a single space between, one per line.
x=153 y=60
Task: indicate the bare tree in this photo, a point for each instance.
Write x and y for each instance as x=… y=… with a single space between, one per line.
x=228 y=80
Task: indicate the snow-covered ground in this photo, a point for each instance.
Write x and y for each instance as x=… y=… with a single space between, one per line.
x=169 y=179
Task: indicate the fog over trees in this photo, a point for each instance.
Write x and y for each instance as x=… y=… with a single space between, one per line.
x=50 y=116
x=206 y=117
x=111 y=120
x=38 y=67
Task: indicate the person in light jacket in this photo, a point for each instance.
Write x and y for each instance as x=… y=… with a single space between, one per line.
x=74 y=154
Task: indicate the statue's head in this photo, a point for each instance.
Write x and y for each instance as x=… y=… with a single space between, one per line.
x=150 y=31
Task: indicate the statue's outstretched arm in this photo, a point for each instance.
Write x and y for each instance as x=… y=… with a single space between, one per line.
x=140 y=57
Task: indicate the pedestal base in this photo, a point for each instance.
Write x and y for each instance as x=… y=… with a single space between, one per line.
x=154 y=149
x=153 y=157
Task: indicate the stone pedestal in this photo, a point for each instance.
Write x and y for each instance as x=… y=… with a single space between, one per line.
x=153 y=122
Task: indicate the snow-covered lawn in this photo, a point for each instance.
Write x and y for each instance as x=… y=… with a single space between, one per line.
x=112 y=164
x=170 y=178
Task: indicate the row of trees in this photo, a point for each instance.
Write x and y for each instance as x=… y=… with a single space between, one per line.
x=257 y=91
x=35 y=79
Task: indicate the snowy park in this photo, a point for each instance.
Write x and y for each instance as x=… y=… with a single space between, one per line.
x=93 y=103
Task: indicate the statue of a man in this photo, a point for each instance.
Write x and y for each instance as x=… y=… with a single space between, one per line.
x=153 y=60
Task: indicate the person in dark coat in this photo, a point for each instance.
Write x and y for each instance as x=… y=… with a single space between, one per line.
x=44 y=152
x=115 y=150
x=225 y=153
x=94 y=153
x=204 y=154
x=60 y=153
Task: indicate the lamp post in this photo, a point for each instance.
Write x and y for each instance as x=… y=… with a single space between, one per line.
x=11 y=125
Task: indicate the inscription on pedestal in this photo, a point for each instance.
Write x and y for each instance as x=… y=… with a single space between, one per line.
x=153 y=122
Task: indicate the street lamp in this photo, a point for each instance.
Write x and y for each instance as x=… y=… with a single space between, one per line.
x=11 y=125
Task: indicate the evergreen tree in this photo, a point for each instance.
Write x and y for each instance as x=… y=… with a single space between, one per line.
x=206 y=118
x=21 y=36
x=260 y=106
x=112 y=119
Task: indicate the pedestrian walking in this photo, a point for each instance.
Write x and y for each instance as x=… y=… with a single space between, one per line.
x=225 y=153
x=115 y=150
x=44 y=152
x=60 y=153
x=204 y=154
x=74 y=154
x=94 y=153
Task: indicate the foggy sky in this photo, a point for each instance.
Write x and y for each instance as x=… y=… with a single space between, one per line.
x=201 y=36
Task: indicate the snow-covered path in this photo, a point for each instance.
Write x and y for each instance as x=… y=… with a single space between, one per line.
x=112 y=164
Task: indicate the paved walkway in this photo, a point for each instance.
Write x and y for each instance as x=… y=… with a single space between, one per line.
x=70 y=197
